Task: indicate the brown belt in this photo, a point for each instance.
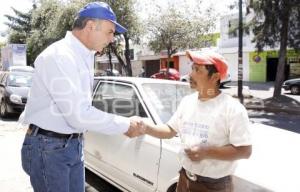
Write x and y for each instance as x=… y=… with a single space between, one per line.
x=200 y=178
x=32 y=129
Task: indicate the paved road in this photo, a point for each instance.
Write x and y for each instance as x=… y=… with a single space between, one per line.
x=12 y=176
x=259 y=90
x=263 y=91
x=13 y=179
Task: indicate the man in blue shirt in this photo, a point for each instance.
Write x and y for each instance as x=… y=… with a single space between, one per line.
x=59 y=108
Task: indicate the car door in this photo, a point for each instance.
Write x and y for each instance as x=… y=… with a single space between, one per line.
x=131 y=163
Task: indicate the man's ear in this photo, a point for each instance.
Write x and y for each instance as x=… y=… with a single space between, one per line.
x=89 y=25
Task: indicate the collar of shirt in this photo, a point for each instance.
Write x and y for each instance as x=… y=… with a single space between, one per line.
x=79 y=47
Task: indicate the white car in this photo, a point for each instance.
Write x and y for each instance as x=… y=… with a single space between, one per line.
x=144 y=163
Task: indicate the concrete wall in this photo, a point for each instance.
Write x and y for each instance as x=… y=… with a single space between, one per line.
x=136 y=67
x=232 y=59
x=184 y=65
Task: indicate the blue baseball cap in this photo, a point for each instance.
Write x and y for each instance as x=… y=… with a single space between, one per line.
x=101 y=10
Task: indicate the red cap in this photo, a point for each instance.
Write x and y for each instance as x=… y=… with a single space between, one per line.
x=209 y=58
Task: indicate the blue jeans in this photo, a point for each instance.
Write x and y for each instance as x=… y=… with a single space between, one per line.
x=54 y=164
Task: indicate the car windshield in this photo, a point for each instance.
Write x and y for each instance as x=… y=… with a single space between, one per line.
x=19 y=80
x=166 y=97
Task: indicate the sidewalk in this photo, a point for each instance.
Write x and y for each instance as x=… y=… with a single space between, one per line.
x=258 y=96
x=12 y=176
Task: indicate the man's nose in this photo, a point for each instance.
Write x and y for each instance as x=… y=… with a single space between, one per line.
x=112 y=39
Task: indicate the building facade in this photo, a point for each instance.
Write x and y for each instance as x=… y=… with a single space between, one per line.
x=258 y=67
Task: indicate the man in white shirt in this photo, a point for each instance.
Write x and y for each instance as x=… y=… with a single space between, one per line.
x=213 y=128
x=60 y=109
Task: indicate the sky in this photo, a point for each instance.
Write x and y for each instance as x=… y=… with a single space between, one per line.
x=221 y=6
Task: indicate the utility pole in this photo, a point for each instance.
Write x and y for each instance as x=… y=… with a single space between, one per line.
x=240 y=54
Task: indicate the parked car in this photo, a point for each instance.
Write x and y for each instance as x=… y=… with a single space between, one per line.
x=186 y=78
x=14 y=88
x=21 y=68
x=113 y=72
x=293 y=85
x=144 y=163
x=108 y=72
x=173 y=74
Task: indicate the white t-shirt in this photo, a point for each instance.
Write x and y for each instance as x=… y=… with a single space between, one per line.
x=216 y=122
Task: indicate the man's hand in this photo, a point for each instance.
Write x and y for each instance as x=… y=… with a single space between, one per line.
x=136 y=127
x=196 y=153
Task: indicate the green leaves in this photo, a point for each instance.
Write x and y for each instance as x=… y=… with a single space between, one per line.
x=174 y=29
x=268 y=21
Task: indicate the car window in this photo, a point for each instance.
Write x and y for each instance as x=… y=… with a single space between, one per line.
x=19 y=80
x=166 y=97
x=119 y=99
x=95 y=83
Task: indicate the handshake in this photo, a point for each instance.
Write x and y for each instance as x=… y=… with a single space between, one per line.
x=137 y=127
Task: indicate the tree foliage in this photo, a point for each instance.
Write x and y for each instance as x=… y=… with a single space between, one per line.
x=269 y=19
x=128 y=18
x=174 y=30
x=50 y=20
x=277 y=23
x=20 y=26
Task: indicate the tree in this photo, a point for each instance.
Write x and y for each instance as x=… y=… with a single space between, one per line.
x=1 y=45
x=127 y=17
x=173 y=29
x=50 y=20
x=19 y=25
x=276 y=22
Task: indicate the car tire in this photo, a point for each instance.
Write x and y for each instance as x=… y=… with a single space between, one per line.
x=3 y=109
x=295 y=90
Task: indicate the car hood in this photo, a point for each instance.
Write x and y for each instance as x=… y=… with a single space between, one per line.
x=297 y=80
x=22 y=91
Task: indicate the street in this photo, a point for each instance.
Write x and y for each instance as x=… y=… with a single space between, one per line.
x=14 y=179
x=12 y=176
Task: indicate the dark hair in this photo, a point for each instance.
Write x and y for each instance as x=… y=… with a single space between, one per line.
x=80 y=22
x=211 y=70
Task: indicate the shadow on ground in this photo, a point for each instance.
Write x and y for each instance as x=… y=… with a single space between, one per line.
x=97 y=183
x=277 y=120
x=255 y=86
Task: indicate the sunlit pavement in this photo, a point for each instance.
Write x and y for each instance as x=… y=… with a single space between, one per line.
x=12 y=176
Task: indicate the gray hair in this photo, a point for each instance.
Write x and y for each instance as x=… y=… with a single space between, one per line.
x=80 y=22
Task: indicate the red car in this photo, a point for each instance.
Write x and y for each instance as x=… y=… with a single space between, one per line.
x=173 y=74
